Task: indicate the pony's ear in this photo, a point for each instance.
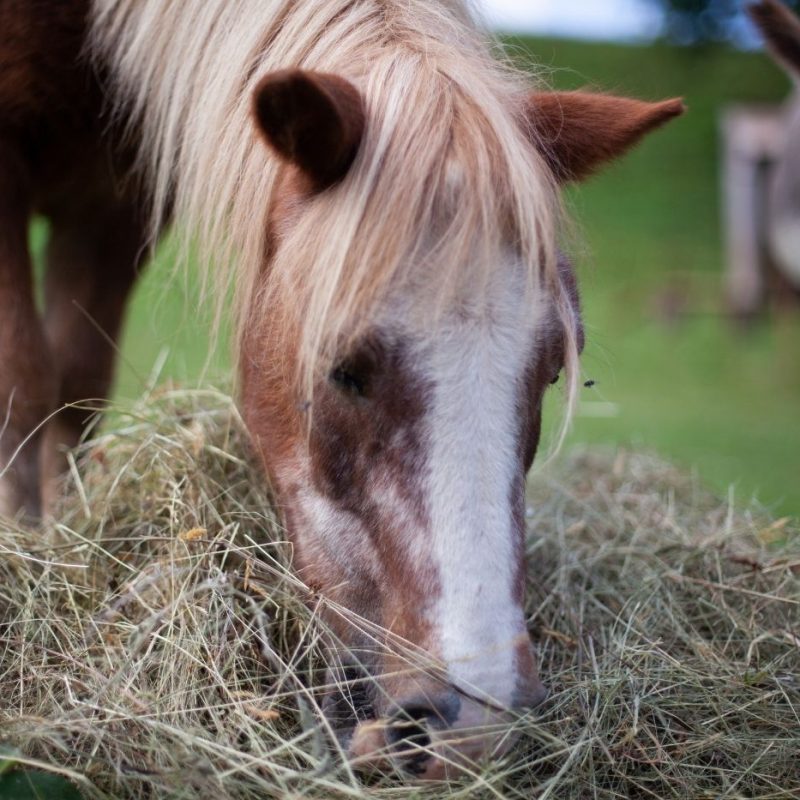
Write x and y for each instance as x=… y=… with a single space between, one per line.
x=577 y=132
x=781 y=29
x=311 y=119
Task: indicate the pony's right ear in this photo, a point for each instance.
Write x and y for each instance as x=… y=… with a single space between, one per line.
x=313 y=120
x=578 y=132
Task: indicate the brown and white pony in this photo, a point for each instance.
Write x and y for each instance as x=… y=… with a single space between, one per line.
x=379 y=198
x=781 y=29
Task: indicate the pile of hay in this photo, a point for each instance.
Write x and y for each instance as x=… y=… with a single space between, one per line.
x=155 y=644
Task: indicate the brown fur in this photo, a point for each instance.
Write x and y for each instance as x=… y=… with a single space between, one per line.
x=578 y=132
x=57 y=158
x=350 y=442
x=42 y=77
x=781 y=29
x=27 y=382
x=311 y=119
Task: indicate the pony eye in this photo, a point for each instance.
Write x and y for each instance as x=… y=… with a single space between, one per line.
x=348 y=381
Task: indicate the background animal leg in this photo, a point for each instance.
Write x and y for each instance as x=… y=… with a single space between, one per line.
x=93 y=258
x=27 y=378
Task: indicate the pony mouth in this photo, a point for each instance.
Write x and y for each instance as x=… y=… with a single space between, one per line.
x=426 y=738
x=423 y=750
x=400 y=743
x=416 y=744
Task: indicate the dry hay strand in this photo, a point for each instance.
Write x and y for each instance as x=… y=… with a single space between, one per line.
x=154 y=642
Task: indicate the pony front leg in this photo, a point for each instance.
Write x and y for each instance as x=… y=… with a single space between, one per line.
x=27 y=379
x=93 y=257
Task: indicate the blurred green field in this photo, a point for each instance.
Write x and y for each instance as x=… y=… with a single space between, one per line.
x=695 y=389
x=690 y=387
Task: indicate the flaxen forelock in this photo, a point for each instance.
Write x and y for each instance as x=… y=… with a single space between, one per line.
x=445 y=176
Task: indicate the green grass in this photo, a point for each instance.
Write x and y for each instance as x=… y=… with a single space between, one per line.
x=708 y=395
x=711 y=397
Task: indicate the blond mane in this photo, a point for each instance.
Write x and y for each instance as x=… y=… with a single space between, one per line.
x=445 y=176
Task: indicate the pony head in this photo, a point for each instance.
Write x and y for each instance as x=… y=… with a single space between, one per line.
x=411 y=314
x=385 y=215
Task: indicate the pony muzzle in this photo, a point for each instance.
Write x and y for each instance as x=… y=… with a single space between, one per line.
x=433 y=738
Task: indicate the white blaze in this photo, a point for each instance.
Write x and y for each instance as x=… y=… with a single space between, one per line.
x=477 y=363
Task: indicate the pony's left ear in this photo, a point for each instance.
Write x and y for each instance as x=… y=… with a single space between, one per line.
x=313 y=120
x=578 y=132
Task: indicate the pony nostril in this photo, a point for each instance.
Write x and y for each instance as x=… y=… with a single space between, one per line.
x=409 y=739
x=410 y=727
